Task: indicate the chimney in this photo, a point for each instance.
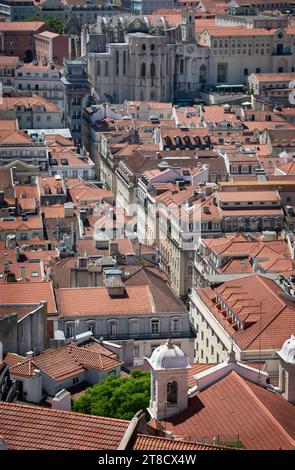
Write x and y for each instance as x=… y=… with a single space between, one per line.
x=159 y=156
x=29 y=355
x=6 y=266
x=22 y=272
x=62 y=401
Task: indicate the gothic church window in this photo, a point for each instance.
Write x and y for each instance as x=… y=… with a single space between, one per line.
x=181 y=66
x=143 y=70
x=153 y=70
x=106 y=68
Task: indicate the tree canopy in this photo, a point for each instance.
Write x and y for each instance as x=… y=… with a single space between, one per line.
x=116 y=397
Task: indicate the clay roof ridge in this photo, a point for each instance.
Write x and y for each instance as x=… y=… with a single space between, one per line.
x=63 y=412
x=263 y=407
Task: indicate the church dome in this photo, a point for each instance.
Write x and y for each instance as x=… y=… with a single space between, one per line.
x=168 y=356
x=287 y=352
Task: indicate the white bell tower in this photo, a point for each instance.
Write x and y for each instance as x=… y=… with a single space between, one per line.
x=169 y=381
x=287 y=369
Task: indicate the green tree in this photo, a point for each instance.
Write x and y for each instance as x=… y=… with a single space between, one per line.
x=116 y=397
x=52 y=21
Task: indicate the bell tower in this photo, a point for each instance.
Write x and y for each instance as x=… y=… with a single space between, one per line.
x=188 y=33
x=287 y=369
x=169 y=381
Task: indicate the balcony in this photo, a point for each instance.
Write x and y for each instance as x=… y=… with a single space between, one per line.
x=162 y=335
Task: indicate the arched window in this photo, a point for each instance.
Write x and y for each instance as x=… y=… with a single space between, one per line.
x=91 y=326
x=153 y=47
x=181 y=66
x=133 y=326
x=153 y=70
x=106 y=68
x=203 y=74
x=143 y=47
x=172 y=389
x=124 y=62
x=175 y=325
x=98 y=68
x=117 y=62
x=69 y=329
x=143 y=70
x=113 y=327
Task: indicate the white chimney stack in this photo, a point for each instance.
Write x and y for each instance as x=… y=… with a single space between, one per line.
x=62 y=401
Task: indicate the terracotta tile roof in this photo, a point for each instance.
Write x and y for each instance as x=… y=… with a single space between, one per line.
x=89 y=194
x=265 y=330
x=26 y=191
x=7 y=61
x=33 y=222
x=196 y=368
x=29 y=293
x=34 y=428
x=8 y=124
x=12 y=359
x=30 y=26
x=14 y=136
x=28 y=101
x=223 y=410
x=48 y=34
x=27 y=204
x=67 y=361
x=275 y=77
x=288 y=169
x=72 y=158
x=145 y=442
x=54 y=211
x=240 y=31
x=24 y=369
x=75 y=302
x=51 y=183
x=245 y=196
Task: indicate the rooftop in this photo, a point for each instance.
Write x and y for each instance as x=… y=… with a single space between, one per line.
x=35 y=428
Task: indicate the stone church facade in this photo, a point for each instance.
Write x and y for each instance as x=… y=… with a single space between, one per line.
x=131 y=59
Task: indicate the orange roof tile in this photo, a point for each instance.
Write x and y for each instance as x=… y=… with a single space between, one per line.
x=29 y=293
x=84 y=301
x=34 y=428
x=145 y=442
x=267 y=326
x=21 y=26
x=205 y=418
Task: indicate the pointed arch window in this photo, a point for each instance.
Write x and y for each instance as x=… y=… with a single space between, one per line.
x=181 y=66
x=143 y=70
x=106 y=68
x=153 y=70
